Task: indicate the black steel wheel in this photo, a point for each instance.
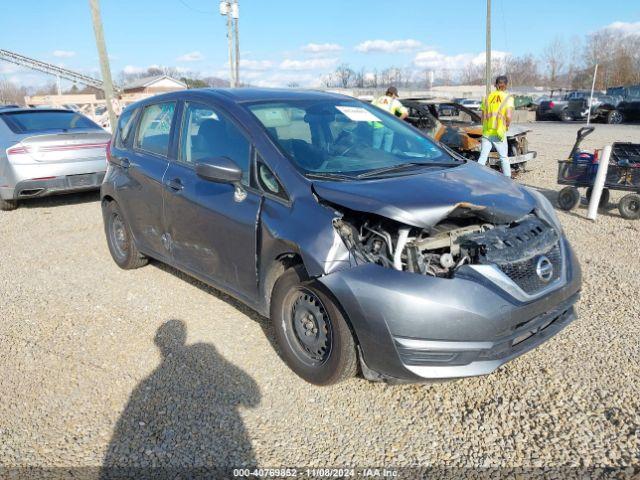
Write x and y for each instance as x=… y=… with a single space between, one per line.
x=309 y=328
x=629 y=206
x=568 y=198
x=604 y=198
x=614 y=117
x=312 y=334
x=119 y=239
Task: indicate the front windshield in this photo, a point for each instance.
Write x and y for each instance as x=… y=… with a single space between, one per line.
x=343 y=137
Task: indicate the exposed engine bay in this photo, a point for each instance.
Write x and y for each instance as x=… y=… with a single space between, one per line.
x=440 y=250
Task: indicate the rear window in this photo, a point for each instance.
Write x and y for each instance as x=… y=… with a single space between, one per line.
x=41 y=120
x=124 y=128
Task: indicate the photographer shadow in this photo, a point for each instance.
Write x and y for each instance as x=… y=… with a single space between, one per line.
x=185 y=416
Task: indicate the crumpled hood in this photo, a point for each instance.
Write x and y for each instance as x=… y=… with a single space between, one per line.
x=424 y=199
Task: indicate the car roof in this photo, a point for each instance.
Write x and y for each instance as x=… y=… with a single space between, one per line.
x=241 y=95
x=244 y=95
x=28 y=109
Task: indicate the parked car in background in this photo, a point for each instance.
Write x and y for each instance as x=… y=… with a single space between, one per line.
x=470 y=104
x=629 y=107
x=371 y=247
x=556 y=108
x=630 y=110
x=604 y=108
x=460 y=128
x=48 y=151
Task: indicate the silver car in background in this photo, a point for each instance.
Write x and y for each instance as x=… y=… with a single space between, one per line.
x=47 y=152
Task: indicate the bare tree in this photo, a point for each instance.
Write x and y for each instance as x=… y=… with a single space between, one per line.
x=522 y=70
x=554 y=58
x=10 y=93
x=344 y=75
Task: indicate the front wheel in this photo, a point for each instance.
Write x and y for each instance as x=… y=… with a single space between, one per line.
x=119 y=239
x=568 y=198
x=314 y=338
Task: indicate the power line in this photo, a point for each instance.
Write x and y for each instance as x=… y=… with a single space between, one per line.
x=195 y=9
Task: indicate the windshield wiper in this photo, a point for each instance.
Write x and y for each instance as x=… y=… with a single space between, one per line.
x=328 y=175
x=403 y=166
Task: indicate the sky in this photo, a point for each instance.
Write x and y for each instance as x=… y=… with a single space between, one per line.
x=286 y=41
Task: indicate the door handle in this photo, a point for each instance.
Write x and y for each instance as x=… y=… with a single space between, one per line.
x=175 y=184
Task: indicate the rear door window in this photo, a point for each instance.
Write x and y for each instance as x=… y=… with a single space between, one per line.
x=155 y=127
x=43 y=120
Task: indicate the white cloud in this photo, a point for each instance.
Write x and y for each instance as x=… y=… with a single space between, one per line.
x=279 y=79
x=435 y=60
x=64 y=53
x=627 y=28
x=386 y=46
x=320 y=48
x=190 y=57
x=257 y=65
x=311 y=64
x=129 y=69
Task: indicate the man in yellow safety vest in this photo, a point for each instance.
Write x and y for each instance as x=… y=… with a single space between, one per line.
x=497 y=110
x=382 y=136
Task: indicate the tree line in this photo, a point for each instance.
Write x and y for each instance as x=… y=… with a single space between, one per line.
x=561 y=64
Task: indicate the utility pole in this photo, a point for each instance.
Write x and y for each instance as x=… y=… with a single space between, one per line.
x=487 y=72
x=225 y=9
x=104 y=60
x=235 y=13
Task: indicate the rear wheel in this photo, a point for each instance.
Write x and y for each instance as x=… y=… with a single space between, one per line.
x=7 y=205
x=614 y=117
x=313 y=335
x=568 y=198
x=629 y=206
x=604 y=198
x=565 y=116
x=119 y=238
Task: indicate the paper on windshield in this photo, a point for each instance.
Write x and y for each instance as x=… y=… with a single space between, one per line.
x=358 y=114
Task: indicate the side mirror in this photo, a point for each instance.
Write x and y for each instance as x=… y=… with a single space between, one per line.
x=219 y=169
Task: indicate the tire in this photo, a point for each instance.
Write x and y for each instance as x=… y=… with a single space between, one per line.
x=302 y=309
x=121 y=244
x=7 y=205
x=568 y=198
x=614 y=117
x=629 y=206
x=604 y=198
x=565 y=117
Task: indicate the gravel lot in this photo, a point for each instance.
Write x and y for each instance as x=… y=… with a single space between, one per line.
x=149 y=367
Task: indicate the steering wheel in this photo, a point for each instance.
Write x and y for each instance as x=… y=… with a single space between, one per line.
x=344 y=135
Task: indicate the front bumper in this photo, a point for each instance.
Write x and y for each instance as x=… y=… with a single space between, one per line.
x=21 y=181
x=412 y=327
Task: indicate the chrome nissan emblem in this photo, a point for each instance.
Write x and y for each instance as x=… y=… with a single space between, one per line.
x=544 y=269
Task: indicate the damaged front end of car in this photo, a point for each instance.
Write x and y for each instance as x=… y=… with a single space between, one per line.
x=457 y=294
x=462 y=238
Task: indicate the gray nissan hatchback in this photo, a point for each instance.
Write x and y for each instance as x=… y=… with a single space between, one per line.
x=370 y=246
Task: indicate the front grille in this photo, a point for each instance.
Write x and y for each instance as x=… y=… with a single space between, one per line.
x=524 y=273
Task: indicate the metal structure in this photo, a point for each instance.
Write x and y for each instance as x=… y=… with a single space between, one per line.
x=487 y=72
x=230 y=9
x=50 y=69
x=104 y=59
